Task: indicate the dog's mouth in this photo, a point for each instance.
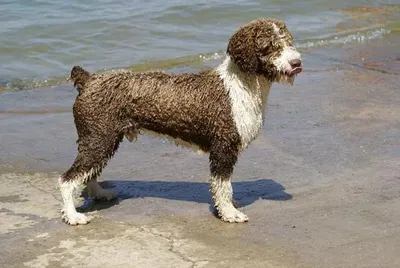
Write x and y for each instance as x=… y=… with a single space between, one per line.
x=294 y=71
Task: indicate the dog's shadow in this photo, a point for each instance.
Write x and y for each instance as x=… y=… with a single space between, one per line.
x=245 y=192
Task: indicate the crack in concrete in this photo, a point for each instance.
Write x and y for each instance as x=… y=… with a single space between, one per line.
x=44 y=191
x=172 y=248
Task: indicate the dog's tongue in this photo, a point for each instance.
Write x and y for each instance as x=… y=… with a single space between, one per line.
x=296 y=71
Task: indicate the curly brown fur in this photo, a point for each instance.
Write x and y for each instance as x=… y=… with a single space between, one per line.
x=216 y=111
x=179 y=106
x=79 y=76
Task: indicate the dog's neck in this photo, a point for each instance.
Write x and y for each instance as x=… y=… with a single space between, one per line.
x=256 y=85
x=248 y=95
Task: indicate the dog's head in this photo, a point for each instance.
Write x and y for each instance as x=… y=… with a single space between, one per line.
x=265 y=47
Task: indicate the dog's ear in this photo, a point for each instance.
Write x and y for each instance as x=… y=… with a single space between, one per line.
x=241 y=49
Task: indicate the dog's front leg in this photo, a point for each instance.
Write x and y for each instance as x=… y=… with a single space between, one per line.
x=223 y=157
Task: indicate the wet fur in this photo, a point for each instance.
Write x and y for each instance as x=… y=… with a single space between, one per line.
x=202 y=110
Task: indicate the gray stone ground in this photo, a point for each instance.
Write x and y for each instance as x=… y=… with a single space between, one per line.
x=321 y=185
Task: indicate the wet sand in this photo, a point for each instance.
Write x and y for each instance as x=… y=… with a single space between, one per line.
x=321 y=184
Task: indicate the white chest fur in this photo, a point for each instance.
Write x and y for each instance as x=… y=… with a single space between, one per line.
x=248 y=95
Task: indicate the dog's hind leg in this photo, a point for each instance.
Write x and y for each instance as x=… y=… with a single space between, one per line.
x=223 y=157
x=94 y=151
x=97 y=192
x=67 y=186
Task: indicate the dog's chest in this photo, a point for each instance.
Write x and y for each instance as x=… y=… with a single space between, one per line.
x=248 y=99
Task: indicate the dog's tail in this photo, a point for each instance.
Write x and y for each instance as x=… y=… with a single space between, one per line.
x=80 y=77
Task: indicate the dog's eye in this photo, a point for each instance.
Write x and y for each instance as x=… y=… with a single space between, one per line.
x=281 y=33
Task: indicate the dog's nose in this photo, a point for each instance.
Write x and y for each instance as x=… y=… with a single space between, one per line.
x=295 y=63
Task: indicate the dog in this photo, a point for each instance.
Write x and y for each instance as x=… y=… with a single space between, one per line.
x=218 y=111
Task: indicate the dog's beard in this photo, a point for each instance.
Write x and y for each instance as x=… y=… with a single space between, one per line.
x=285 y=79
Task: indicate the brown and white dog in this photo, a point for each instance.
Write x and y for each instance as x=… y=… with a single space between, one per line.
x=217 y=111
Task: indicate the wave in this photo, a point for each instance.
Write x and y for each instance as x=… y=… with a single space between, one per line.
x=357 y=37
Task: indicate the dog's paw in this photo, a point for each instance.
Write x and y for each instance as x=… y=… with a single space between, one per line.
x=75 y=218
x=231 y=214
x=105 y=194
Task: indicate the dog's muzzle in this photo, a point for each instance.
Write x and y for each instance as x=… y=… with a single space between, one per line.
x=296 y=66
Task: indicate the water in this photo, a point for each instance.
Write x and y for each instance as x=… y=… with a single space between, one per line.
x=41 y=40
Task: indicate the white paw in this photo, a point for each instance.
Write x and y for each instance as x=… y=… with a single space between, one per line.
x=105 y=194
x=231 y=214
x=74 y=218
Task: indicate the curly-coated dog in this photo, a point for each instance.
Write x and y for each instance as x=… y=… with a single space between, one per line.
x=218 y=111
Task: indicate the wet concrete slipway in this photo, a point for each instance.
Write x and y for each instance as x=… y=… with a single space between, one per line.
x=321 y=184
